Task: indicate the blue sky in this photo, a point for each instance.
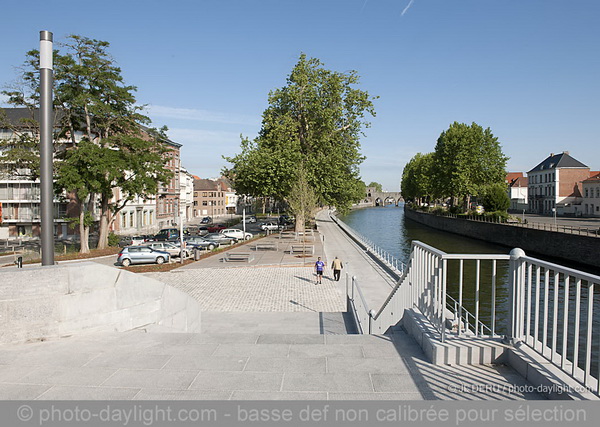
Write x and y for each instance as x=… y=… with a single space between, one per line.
x=528 y=69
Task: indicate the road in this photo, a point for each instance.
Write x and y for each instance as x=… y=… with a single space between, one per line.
x=562 y=221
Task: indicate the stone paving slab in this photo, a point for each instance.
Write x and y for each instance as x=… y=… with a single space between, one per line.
x=257 y=289
x=336 y=369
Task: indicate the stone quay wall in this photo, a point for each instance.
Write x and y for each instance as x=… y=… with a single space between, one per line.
x=574 y=248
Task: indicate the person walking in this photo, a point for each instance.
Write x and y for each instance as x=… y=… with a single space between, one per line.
x=319 y=266
x=337 y=266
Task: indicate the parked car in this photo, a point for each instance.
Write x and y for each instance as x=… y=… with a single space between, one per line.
x=250 y=219
x=271 y=226
x=173 y=249
x=220 y=238
x=201 y=243
x=203 y=230
x=236 y=234
x=216 y=228
x=141 y=255
x=132 y=240
x=206 y=220
x=167 y=234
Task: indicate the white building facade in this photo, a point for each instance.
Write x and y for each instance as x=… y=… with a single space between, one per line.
x=591 y=196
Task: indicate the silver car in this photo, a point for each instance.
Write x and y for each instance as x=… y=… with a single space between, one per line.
x=201 y=243
x=141 y=255
x=171 y=248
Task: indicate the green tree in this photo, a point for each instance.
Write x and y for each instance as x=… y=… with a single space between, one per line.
x=315 y=121
x=378 y=186
x=467 y=159
x=417 y=178
x=495 y=198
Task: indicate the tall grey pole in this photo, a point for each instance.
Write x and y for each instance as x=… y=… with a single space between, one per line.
x=46 y=148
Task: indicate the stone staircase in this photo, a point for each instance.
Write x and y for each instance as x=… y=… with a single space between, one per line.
x=239 y=356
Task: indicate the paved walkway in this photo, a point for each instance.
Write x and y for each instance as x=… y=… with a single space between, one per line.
x=264 y=289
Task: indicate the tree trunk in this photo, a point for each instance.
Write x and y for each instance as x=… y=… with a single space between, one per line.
x=103 y=226
x=84 y=231
x=300 y=219
x=264 y=205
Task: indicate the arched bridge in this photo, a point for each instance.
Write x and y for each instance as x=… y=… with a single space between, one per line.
x=382 y=198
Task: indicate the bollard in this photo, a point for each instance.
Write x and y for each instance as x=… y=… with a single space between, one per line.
x=19 y=262
x=196 y=254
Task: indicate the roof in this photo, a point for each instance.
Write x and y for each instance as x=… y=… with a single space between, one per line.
x=19 y=117
x=204 y=184
x=593 y=179
x=511 y=176
x=519 y=182
x=556 y=161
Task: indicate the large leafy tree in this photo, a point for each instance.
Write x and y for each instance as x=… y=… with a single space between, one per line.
x=312 y=128
x=467 y=159
x=94 y=101
x=417 y=178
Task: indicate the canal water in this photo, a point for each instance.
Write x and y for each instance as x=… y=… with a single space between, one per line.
x=389 y=229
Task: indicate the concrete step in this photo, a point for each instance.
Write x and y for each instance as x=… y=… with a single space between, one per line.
x=256 y=366
x=273 y=322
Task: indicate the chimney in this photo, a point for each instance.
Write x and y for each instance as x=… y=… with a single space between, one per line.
x=566 y=152
x=551 y=154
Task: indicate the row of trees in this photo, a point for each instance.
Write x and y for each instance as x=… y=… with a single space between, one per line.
x=116 y=149
x=467 y=161
x=307 y=152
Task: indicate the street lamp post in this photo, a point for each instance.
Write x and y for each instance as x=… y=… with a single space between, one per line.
x=46 y=151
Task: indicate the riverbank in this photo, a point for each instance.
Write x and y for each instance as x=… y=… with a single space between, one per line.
x=581 y=250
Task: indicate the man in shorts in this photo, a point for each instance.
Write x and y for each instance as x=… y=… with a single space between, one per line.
x=319 y=266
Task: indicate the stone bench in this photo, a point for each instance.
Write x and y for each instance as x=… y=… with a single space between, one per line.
x=238 y=256
x=265 y=245
x=302 y=249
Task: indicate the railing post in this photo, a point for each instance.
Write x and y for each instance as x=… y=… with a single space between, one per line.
x=514 y=327
x=371 y=315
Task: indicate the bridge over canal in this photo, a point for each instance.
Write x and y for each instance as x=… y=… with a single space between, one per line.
x=382 y=198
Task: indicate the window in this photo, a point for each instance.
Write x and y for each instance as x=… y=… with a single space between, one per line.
x=123 y=220
x=131 y=219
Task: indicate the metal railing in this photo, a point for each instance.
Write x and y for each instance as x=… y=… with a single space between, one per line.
x=552 y=309
x=424 y=286
x=381 y=254
x=358 y=305
x=555 y=311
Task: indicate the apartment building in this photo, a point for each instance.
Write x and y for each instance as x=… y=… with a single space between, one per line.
x=19 y=195
x=213 y=197
x=555 y=183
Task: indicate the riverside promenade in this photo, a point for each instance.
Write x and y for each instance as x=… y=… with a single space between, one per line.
x=268 y=332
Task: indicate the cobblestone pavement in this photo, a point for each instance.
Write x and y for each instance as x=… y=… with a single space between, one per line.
x=281 y=289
